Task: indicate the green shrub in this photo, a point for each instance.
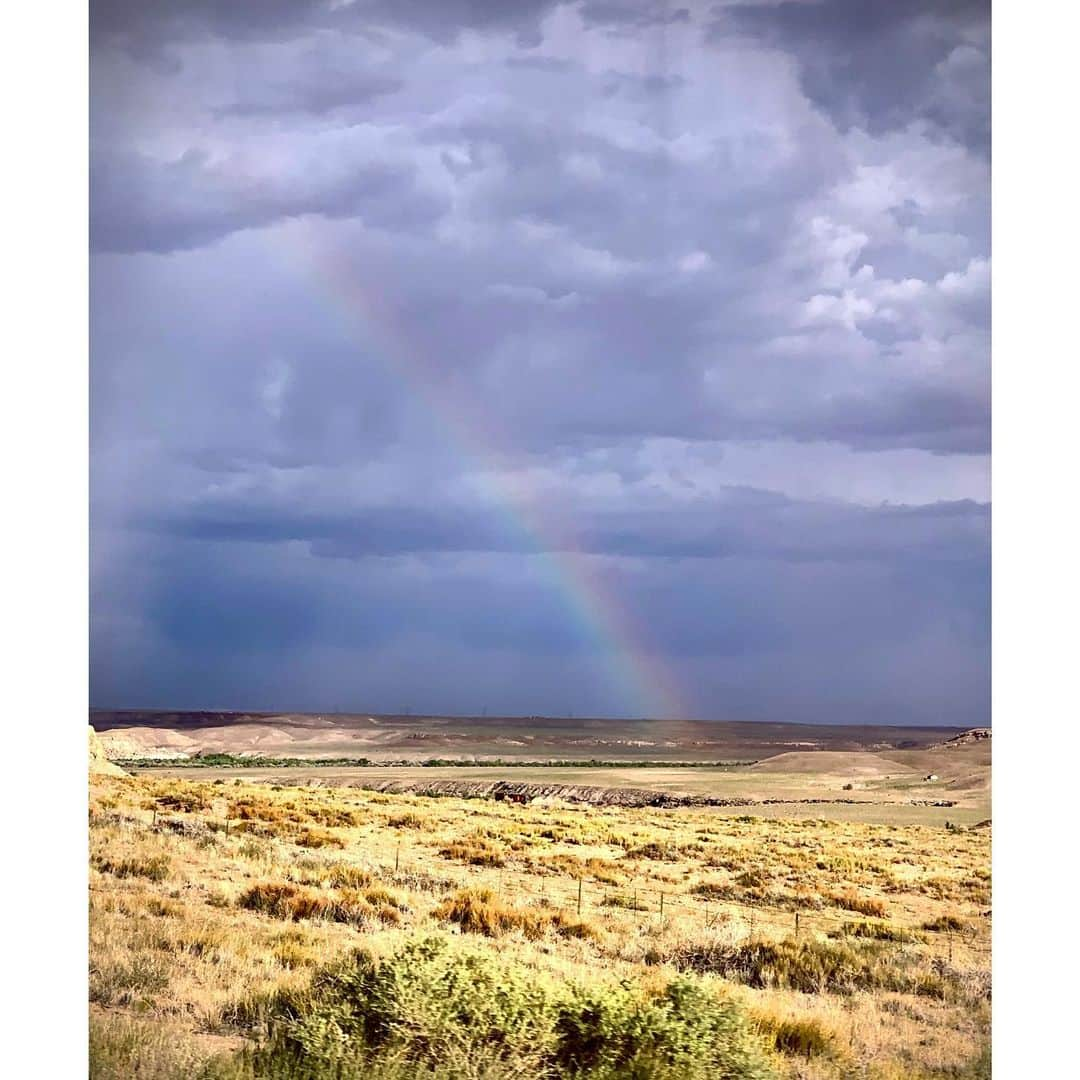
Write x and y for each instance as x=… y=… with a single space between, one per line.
x=436 y=1006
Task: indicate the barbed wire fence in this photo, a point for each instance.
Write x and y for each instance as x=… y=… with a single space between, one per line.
x=646 y=902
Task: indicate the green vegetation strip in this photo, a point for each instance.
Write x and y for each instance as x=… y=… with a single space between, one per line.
x=239 y=761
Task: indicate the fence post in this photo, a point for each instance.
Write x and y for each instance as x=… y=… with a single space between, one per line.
x=796 y=926
x=661 y=906
x=579 y=880
x=397 y=856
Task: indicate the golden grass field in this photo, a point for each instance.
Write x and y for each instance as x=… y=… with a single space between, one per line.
x=845 y=948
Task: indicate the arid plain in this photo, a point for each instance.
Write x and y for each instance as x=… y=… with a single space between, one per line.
x=649 y=900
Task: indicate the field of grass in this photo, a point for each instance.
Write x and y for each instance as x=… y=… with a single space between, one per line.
x=244 y=929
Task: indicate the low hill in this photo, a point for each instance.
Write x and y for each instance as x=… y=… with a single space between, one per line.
x=530 y=738
x=100 y=765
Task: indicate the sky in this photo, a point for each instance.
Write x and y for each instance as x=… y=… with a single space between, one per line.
x=609 y=358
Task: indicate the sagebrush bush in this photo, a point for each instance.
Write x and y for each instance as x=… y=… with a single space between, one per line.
x=468 y=1013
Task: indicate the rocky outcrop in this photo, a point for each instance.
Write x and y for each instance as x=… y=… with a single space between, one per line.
x=510 y=791
x=100 y=765
x=966 y=738
x=145 y=744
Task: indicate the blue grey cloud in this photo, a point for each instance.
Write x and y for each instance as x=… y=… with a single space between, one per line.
x=419 y=329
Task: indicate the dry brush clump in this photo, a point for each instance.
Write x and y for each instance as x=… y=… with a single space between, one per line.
x=281 y=900
x=600 y=870
x=863 y=905
x=947 y=924
x=474 y=850
x=151 y=867
x=478 y=911
x=837 y=967
x=878 y=931
x=800 y=1037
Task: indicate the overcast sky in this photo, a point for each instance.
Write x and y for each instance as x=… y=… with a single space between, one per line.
x=609 y=358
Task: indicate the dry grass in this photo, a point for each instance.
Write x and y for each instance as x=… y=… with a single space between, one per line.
x=864 y=905
x=190 y=919
x=477 y=911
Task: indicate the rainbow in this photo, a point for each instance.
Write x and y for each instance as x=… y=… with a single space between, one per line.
x=644 y=682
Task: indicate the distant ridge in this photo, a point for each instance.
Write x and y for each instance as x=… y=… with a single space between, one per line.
x=966 y=738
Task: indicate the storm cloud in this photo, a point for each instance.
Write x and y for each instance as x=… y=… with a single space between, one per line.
x=467 y=355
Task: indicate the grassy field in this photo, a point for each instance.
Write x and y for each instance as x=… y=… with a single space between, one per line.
x=244 y=929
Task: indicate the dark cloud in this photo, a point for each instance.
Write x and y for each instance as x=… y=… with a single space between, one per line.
x=743 y=524
x=409 y=318
x=635 y=14
x=881 y=65
x=139 y=203
x=323 y=92
x=145 y=27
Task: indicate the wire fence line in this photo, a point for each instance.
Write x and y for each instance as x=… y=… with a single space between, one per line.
x=647 y=902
